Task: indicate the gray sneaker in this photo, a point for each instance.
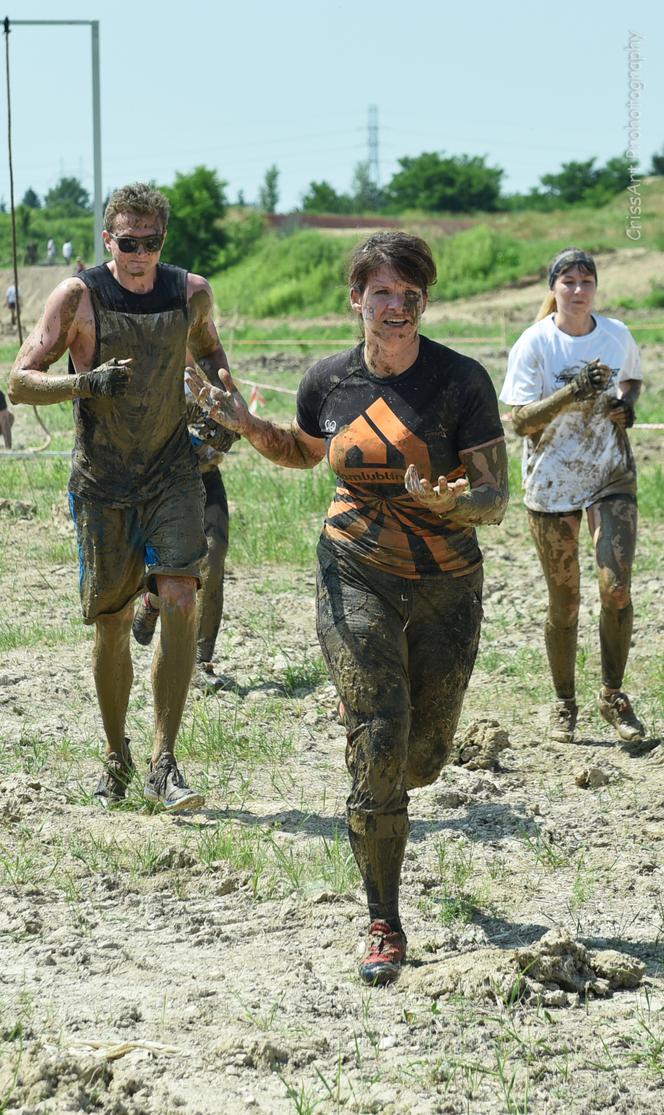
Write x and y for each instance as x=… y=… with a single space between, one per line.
x=165 y=783
x=116 y=776
x=145 y=621
x=206 y=680
x=562 y=720
x=618 y=712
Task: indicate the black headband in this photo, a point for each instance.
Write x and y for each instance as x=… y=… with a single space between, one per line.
x=570 y=258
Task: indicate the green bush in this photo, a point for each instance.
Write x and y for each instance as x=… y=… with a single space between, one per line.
x=40 y=225
x=655 y=299
x=302 y=273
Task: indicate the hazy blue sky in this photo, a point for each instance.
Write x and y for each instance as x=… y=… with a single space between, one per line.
x=242 y=85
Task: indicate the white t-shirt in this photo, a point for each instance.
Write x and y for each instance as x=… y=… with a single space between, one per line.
x=581 y=456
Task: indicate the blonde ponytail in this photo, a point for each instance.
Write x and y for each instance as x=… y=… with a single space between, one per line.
x=548 y=306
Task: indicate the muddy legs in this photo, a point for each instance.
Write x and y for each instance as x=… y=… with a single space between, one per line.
x=379 y=842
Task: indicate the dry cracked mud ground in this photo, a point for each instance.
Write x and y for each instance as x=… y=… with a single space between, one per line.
x=206 y=962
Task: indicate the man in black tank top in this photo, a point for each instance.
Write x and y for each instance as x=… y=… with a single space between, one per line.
x=135 y=491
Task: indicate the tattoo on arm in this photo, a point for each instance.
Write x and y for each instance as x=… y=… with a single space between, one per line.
x=487 y=499
x=282 y=446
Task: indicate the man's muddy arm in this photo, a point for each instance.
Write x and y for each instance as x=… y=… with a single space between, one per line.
x=29 y=382
x=204 y=342
x=486 y=500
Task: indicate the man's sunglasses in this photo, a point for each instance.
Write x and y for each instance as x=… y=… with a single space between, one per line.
x=130 y=244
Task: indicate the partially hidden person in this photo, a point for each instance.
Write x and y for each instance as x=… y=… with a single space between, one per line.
x=211 y=442
x=6 y=421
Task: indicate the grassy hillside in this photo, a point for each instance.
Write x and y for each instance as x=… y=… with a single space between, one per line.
x=304 y=273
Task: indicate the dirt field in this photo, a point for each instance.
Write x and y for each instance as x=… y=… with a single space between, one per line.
x=206 y=963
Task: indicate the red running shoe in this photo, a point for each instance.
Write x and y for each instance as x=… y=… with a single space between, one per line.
x=385 y=955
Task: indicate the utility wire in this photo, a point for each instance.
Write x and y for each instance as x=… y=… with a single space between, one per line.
x=13 y=222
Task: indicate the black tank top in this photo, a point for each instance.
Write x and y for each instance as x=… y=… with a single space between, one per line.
x=129 y=449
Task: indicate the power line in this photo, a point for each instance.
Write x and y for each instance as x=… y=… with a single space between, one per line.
x=374 y=172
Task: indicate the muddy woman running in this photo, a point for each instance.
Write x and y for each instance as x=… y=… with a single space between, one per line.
x=411 y=430
x=573 y=379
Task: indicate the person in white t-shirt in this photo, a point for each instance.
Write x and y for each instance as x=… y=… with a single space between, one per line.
x=573 y=379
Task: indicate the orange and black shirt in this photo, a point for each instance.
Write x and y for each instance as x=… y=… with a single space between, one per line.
x=374 y=427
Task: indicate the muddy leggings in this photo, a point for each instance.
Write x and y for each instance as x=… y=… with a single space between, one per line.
x=211 y=595
x=612 y=525
x=400 y=653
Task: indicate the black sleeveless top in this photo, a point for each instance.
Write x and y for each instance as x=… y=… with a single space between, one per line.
x=129 y=449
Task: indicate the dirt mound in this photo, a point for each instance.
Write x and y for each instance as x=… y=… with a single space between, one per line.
x=34 y=284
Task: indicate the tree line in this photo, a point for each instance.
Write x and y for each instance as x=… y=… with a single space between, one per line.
x=202 y=237
x=432 y=182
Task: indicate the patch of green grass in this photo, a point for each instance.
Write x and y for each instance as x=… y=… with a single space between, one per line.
x=644 y=1043
x=326 y=863
x=22 y=863
x=304 y=676
x=651 y=493
x=39 y=480
x=107 y=854
x=20 y=635
x=277 y=514
x=223 y=743
x=455 y=900
x=544 y=851
x=280 y=864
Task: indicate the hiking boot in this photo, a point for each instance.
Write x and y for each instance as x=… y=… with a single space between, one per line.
x=562 y=720
x=205 y=678
x=385 y=955
x=145 y=621
x=618 y=712
x=165 y=783
x=116 y=776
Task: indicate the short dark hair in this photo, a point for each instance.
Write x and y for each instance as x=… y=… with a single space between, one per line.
x=567 y=259
x=409 y=256
x=139 y=198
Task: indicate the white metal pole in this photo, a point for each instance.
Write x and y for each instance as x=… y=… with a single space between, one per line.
x=96 y=141
x=93 y=24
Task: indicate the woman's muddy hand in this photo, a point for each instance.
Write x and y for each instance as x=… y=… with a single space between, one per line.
x=226 y=407
x=440 y=498
x=621 y=413
x=592 y=379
